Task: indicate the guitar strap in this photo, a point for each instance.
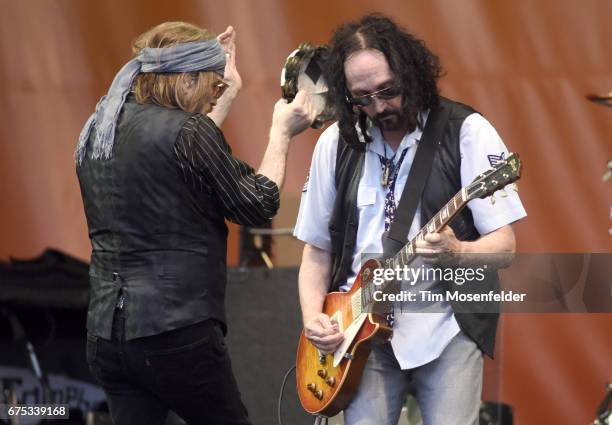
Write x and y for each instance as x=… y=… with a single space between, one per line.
x=396 y=237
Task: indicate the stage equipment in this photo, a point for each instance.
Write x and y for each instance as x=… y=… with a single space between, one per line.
x=495 y=414
x=606 y=100
x=604 y=411
x=602 y=99
x=256 y=245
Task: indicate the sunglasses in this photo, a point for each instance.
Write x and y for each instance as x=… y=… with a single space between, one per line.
x=219 y=88
x=387 y=93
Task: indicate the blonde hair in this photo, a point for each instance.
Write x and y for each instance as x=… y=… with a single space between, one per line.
x=168 y=89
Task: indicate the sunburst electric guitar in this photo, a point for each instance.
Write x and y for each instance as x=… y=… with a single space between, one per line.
x=326 y=383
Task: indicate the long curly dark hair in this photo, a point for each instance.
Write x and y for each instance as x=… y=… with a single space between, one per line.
x=416 y=68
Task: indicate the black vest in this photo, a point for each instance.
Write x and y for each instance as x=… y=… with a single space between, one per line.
x=160 y=242
x=443 y=182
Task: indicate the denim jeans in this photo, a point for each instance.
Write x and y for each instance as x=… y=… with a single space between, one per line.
x=186 y=370
x=448 y=389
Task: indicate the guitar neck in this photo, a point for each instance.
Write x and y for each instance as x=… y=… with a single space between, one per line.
x=437 y=222
x=407 y=254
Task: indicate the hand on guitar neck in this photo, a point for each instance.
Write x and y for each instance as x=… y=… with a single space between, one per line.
x=440 y=242
x=443 y=246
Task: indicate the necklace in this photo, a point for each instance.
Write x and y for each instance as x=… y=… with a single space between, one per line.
x=386 y=170
x=389 y=169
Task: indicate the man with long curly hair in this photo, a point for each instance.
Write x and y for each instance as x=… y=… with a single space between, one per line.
x=383 y=84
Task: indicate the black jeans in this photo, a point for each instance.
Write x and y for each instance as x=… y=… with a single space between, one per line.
x=187 y=370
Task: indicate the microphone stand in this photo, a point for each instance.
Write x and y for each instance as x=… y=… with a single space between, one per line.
x=19 y=336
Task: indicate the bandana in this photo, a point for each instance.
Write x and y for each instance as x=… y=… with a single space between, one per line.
x=207 y=55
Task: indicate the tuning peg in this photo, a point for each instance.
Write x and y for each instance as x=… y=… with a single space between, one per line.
x=503 y=193
x=515 y=187
x=492 y=199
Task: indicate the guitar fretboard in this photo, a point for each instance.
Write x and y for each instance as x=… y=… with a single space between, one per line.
x=364 y=297
x=485 y=184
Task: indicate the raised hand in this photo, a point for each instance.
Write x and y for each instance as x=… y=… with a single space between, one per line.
x=227 y=39
x=295 y=117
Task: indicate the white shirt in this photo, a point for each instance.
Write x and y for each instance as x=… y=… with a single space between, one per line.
x=417 y=338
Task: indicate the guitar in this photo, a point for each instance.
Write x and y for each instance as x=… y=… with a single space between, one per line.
x=326 y=383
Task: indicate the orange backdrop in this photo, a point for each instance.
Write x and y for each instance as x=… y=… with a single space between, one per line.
x=525 y=65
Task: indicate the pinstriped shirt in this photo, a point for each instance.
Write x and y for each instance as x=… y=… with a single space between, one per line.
x=205 y=159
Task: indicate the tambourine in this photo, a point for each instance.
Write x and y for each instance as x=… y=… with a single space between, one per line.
x=303 y=70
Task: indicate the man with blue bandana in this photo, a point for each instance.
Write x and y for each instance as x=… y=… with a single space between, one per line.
x=158 y=181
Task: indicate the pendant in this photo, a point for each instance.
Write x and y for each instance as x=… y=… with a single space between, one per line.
x=384 y=178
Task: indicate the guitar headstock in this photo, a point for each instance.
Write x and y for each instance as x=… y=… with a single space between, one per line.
x=505 y=172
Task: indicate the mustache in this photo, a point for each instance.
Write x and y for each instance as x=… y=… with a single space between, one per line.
x=386 y=114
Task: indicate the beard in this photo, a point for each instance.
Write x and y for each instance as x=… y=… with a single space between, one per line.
x=390 y=120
